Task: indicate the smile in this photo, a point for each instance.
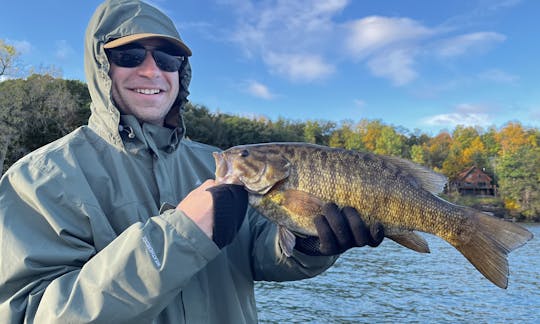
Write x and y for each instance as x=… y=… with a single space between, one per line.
x=148 y=91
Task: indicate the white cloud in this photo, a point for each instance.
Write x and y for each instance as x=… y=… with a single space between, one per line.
x=388 y=46
x=298 y=39
x=463 y=44
x=259 y=90
x=370 y=34
x=264 y=30
x=454 y=119
x=465 y=114
x=299 y=67
x=395 y=65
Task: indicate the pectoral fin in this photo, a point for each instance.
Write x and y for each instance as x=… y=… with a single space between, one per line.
x=411 y=240
x=301 y=203
x=287 y=240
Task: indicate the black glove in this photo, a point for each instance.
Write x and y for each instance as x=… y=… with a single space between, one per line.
x=230 y=205
x=339 y=230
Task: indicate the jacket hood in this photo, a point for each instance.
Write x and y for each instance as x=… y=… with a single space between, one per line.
x=114 y=19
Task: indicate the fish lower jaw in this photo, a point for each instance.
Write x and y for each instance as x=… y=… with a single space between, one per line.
x=229 y=180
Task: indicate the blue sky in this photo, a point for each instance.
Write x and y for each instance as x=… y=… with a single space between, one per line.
x=419 y=64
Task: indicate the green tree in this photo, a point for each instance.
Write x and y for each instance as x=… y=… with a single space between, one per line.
x=318 y=132
x=38 y=110
x=519 y=180
x=457 y=160
x=389 y=142
x=201 y=125
x=437 y=150
x=370 y=131
x=476 y=154
x=491 y=144
x=346 y=136
x=415 y=146
x=418 y=154
x=464 y=136
x=284 y=130
x=336 y=139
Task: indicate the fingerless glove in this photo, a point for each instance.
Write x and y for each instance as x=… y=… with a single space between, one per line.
x=230 y=205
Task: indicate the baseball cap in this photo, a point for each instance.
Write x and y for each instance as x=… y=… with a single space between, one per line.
x=176 y=42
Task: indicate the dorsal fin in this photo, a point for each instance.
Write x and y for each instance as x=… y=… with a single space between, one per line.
x=427 y=179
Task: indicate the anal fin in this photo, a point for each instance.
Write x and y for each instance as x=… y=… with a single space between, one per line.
x=411 y=240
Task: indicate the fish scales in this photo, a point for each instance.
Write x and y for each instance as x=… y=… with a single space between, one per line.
x=322 y=175
x=290 y=182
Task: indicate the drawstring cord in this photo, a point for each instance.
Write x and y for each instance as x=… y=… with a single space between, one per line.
x=131 y=134
x=127 y=129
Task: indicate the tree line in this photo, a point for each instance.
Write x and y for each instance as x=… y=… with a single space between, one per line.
x=41 y=108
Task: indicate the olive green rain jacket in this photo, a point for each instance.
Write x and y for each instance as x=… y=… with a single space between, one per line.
x=82 y=236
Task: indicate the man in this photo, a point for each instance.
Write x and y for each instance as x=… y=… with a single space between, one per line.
x=117 y=222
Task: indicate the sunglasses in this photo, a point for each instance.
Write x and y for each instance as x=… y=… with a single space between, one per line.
x=131 y=56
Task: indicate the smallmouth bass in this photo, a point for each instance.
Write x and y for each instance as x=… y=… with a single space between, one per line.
x=290 y=182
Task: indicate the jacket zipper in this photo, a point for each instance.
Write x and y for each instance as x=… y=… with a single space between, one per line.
x=183 y=306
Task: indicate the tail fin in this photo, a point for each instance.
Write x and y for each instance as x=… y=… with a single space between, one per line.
x=489 y=245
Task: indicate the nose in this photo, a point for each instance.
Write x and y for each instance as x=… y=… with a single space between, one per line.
x=149 y=67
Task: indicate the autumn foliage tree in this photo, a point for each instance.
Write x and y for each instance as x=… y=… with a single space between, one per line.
x=8 y=59
x=518 y=169
x=38 y=109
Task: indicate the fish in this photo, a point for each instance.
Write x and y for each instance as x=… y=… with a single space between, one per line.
x=289 y=183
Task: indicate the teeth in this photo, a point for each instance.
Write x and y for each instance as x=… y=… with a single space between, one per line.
x=147 y=91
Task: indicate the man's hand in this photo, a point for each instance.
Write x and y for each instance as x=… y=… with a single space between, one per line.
x=338 y=231
x=218 y=210
x=199 y=206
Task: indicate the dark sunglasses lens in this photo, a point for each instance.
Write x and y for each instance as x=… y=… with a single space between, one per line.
x=128 y=57
x=167 y=62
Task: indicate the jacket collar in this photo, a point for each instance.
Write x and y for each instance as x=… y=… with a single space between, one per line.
x=153 y=137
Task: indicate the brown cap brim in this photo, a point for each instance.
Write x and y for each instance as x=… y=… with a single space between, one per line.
x=135 y=37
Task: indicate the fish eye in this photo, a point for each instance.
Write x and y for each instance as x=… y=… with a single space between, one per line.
x=244 y=153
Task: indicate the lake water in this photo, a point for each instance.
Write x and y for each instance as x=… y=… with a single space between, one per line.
x=391 y=284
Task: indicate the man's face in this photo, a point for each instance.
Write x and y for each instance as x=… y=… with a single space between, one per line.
x=144 y=91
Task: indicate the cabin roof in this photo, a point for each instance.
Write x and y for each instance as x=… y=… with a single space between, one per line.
x=473 y=174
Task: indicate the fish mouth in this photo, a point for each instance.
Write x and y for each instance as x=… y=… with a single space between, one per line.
x=221 y=166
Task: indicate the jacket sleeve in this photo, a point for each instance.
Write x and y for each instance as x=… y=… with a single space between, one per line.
x=270 y=264
x=51 y=270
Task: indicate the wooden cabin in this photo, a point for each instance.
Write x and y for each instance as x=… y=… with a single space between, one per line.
x=474 y=181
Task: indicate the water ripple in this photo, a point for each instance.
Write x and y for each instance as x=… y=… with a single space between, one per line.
x=392 y=284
